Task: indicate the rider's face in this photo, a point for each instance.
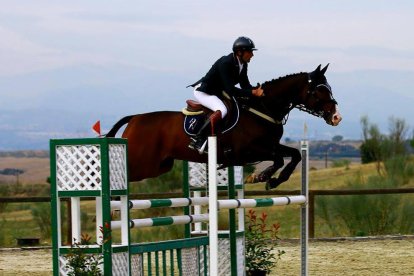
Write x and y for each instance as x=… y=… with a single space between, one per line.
x=246 y=56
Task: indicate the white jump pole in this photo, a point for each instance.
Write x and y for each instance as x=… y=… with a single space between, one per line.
x=212 y=193
x=76 y=219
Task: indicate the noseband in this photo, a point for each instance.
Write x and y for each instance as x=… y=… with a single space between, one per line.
x=311 y=94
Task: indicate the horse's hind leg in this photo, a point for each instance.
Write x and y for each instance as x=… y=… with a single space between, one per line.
x=288 y=169
x=267 y=173
x=166 y=165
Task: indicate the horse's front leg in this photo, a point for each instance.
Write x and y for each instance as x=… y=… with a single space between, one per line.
x=287 y=171
x=267 y=173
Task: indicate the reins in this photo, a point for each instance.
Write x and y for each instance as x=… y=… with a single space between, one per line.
x=311 y=93
x=284 y=110
x=262 y=115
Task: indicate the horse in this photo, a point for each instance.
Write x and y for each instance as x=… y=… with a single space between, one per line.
x=158 y=138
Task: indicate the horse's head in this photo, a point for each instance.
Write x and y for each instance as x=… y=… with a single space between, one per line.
x=318 y=99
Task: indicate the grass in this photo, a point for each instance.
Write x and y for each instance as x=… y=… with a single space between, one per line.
x=17 y=224
x=330 y=178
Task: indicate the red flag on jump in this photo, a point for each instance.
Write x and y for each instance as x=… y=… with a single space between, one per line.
x=97 y=127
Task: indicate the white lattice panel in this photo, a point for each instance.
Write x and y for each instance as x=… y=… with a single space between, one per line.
x=63 y=270
x=201 y=261
x=224 y=260
x=238 y=175
x=136 y=264
x=240 y=256
x=78 y=168
x=197 y=175
x=120 y=264
x=117 y=167
x=190 y=264
x=223 y=177
x=224 y=257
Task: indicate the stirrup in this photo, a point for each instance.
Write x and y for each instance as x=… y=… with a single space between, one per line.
x=203 y=149
x=198 y=145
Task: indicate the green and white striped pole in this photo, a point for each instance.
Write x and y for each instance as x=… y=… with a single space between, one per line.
x=162 y=221
x=204 y=201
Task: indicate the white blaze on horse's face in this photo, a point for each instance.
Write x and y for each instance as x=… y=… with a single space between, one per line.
x=336 y=117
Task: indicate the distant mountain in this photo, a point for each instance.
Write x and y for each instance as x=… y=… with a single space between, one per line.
x=65 y=103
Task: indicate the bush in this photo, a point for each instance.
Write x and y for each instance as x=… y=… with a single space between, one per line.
x=341 y=163
x=365 y=215
x=261 y=240
x=82 y=264
x=42 y=216
x=4 y=192
x=399 y=169
x=2 y=230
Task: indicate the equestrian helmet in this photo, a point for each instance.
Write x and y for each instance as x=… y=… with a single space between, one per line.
x=243 y=43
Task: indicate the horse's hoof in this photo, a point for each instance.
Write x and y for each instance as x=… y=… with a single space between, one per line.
x=272 y=184
x=252 y=178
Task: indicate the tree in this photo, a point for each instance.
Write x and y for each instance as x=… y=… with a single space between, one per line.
x=11 y=171
x=412 y=140
x=337 y=138
x=371 y=146
x=397 y=137
x=378 y=147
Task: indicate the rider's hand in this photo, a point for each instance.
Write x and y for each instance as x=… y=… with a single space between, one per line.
x=258 y=92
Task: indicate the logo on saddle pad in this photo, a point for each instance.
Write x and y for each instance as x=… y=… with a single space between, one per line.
x=196 y=115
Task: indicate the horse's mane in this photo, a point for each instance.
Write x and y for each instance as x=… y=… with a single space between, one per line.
x=275 y=81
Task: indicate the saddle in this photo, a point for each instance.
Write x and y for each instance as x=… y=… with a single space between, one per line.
x=196 y=114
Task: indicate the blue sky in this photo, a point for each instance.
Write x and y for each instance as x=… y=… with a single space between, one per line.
x=117 y=52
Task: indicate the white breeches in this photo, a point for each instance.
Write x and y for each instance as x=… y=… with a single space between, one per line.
x=210 y=101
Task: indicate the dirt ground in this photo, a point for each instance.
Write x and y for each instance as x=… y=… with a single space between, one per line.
x=25 y=262
x=391 y=256
x=346 y=257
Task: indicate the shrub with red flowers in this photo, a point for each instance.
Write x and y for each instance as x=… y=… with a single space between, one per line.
x=81 y=263
x=261 y=242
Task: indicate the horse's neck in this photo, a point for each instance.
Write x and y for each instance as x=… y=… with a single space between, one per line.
x=281 y=95
x=286 y=87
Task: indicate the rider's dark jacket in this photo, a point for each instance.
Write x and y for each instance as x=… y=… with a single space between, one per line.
x=223 y=76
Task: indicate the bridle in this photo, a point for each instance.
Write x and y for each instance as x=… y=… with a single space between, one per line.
x=311 y=94
x=282 y=115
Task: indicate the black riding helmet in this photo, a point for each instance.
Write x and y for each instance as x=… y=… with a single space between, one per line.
x=243 y=43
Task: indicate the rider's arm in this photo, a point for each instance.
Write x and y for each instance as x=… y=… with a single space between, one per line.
x=225 y=69
x=245 y=83
x=258 y=92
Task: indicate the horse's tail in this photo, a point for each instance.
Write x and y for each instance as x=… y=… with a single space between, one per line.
x=118 y=125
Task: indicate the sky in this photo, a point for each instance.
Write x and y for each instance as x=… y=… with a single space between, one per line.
x=108 y=59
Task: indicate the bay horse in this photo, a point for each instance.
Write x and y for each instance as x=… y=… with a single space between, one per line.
x=156 y=139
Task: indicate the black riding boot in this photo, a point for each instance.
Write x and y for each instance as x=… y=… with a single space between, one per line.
x=199 y=142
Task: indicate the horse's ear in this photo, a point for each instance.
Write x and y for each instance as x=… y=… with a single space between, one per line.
x=324 y=69
x=315 y=72
x=318 y=69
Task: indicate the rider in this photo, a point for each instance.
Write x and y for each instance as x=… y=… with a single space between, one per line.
x=225 y=73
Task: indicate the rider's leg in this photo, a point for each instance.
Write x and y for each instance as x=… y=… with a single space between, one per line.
x=211 y=101
x=199 y=142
